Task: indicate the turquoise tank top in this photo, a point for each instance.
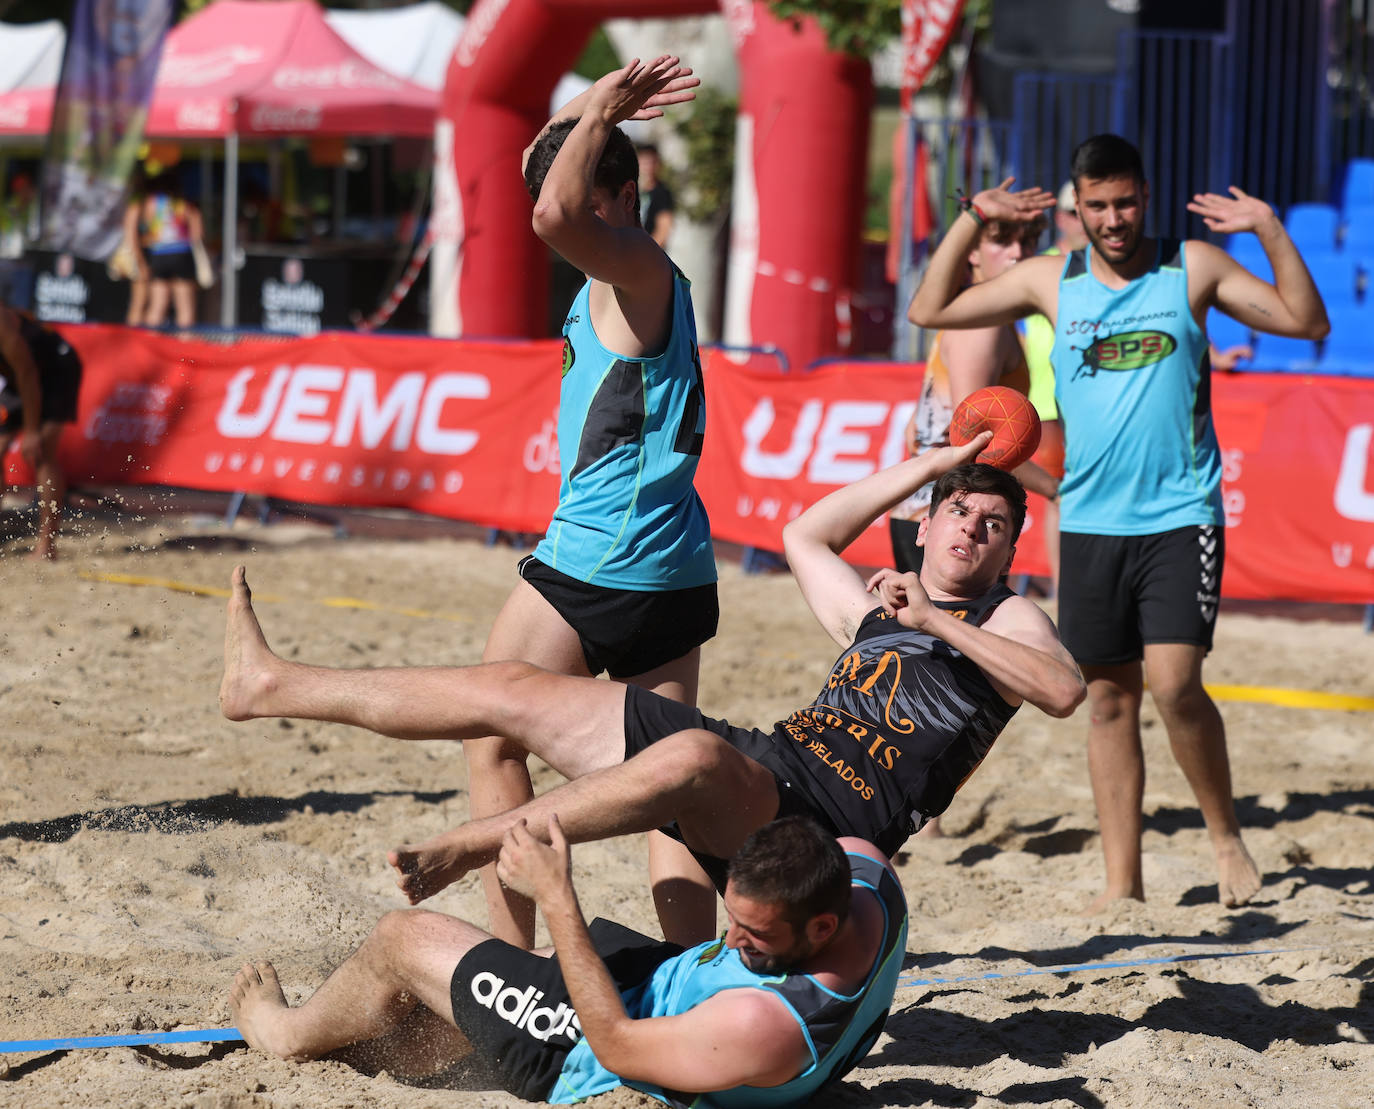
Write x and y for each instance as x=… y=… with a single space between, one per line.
x=630 y=432
x=1132 y=380
x=839 y=1030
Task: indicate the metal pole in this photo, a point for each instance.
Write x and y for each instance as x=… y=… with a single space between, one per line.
x=229 y=289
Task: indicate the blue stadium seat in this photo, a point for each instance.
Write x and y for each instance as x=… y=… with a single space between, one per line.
x=1349 y=349
x=1337 y=275
x=1358 y=238
x=1225 y=333
x=1358 y=186
x=1245 y=248
x=1281 y=354
x=1312 y=226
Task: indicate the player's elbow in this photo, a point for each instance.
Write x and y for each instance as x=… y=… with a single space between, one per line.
x=1065 y=697
x=921 y=313
x=549 y=220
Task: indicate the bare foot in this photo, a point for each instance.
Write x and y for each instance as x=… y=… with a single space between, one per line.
x=426 y=868
x=44 y=552
x=248 y=660
x=259 y=1008
x=1238 y=878
x=1107 y=898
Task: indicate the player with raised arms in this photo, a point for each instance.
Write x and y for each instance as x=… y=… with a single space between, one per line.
x=1142 y=526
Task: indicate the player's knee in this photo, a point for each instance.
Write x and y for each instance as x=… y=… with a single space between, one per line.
x=693 y=758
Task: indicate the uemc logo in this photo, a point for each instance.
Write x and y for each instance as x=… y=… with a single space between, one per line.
x=1133 y=350
x=522 y=1009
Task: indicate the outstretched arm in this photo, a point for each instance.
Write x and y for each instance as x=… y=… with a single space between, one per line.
x=1291 y=305
x=1017 y=647
x=1026 y=288
x=740 y=1037
x=813 y=542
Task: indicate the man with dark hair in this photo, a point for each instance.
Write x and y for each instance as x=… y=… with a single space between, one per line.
x=787 y=1001
x=624 y=579
x=931 y=673
x=1142 y=527
x=657 y=208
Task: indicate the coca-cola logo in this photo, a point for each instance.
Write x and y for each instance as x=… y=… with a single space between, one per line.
x=286 y=117
x=481 y=22
x=14 y=114
x=198 y=115
x=346 y=75
x=205 y=67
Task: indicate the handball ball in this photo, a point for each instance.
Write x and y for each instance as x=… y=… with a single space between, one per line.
x=1008 y=415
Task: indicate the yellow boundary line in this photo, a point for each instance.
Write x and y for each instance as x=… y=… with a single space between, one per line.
x=1255 y=694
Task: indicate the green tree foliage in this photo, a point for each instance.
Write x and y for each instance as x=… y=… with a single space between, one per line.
x=709 y=133
x=858 y=27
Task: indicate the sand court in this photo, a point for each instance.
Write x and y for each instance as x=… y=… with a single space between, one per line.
x=148 y=846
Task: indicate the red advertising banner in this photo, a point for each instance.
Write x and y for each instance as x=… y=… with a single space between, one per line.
x=459 y=430
x=777 y=442
x=466 y=430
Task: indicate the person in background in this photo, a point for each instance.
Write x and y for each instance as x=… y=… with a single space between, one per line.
x=657 y=207
x=1037 y=336
x=164 y=225
x=43 y=378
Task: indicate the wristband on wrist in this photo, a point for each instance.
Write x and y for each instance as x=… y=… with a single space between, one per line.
x=966 y=205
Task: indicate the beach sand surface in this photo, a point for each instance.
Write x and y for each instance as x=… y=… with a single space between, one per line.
x=148 y=847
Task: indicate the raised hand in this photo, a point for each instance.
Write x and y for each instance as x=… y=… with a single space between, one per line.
x=533 y=868
x=1019 y=207
x=1228 y=214
x=640 y=90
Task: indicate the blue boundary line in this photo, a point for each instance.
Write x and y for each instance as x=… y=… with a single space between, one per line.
x=1069 y=968
x=186 y=1036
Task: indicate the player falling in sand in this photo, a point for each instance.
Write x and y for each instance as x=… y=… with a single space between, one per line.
x=1142 y=530
x=932 y=671
x=624 y=580
x=786 y=1002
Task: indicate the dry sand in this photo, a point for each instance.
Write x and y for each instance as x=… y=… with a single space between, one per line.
x=148 y=847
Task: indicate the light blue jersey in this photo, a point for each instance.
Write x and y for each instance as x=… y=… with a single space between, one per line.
x=839 y=1029
x=630 y=432
x=1133 y=385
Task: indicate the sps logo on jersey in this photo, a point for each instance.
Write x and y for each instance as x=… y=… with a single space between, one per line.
x=1133 y=350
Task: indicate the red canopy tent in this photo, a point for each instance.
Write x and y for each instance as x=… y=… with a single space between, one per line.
x=251 y=68
x=245 y=67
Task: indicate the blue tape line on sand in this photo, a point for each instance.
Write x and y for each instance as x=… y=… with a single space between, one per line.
x=1069 y=968
x=188 y=1036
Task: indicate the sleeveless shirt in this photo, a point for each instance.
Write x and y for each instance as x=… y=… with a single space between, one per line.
x=901 y=722
x=630 y=432
x=839 y=1029
x=1133 y=385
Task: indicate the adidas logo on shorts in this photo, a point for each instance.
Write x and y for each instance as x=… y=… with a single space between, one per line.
x=521 y=1008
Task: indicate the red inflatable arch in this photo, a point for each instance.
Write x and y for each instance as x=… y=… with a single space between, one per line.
x=800 y=165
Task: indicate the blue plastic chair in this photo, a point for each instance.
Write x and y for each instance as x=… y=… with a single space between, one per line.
x=1224 y=333
x=1336 y=274
x=1245 y=248
x=1281 y=354
x=1349 y=349
x=1312 y=226
x=1358 y=186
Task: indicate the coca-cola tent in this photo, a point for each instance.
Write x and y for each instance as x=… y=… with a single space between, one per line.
x=245 y=68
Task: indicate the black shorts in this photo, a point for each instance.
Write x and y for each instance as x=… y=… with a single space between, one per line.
x=627 y=632
x=59 y=382
x=649 y=718
x=1120 y=592
x=514 y=1005
x=171 y=265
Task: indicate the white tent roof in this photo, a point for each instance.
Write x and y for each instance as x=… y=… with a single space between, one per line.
x=31 y=54
x=414 y=42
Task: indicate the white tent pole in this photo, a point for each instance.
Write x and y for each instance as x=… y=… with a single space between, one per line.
x=229 y=289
